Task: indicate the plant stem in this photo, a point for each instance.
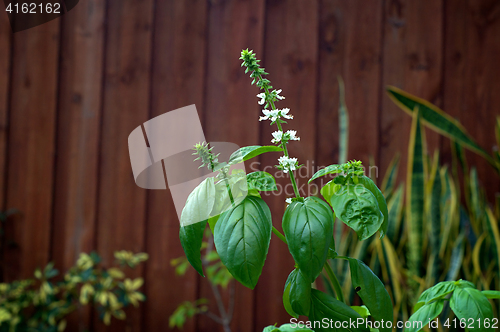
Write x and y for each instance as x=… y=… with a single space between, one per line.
x=278 y=234
x=285 y=150
x=226 y=315
x=224 y=174
x=334 y=281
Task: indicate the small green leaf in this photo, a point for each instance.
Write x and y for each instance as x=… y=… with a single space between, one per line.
x=287 y=328
x=382 y=204
x=248 y=152
x=332 y=169
x=308 y=228
x=241 y=236
x=465 y=284
x=424 y=315
x=261 y=181
x=361 y=310
x=286 y=297
x=491 y=294
x=356 y=206
x=438 y=291
x=372 y=291
x=191 y=237
x=199 y=203
x=326 y=306
x=471 y=305
x=298 y=289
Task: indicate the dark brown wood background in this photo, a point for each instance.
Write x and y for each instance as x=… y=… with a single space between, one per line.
x=72 y=90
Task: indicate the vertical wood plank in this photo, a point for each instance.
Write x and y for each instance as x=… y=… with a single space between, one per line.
x=121 y=211
x=353 y=51
x=413 y=61
x=5 y=61
x=179 y=48
x=31 y=147
x=291 y=52
x=471 y=70
x=76 y=167
x=231 y=112
x=362 y=66
x=332 y=26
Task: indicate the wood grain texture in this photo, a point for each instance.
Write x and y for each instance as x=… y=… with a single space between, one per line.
x=31 y=148
x=5 y=62
x=121 y=211
x=76 y=169
x=179 y=48
x=332 y=42
x=352 y=51
x=290 y=56
x=471 y=72
x=362 y=66
x=231 y=112
x=412 y=61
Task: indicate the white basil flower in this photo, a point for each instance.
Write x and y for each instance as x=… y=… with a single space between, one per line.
x=288 y=201
x=287 y=164
x=269 y=114
x=278 y=135
x=262 y=97
x=284 y=113
x=276 y=93
x=291 y=135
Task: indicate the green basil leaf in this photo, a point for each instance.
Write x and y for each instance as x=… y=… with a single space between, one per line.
x=308 y=228
x=329 y=189
x=287 y=328
x=326 y=306
x=248 y=152
x=332 y=169
x=191 y=237
x=356 y=207
x=254 y=192
x=472 y=306
x=262 y=181
x=465 y=284
x=424 y=315
x=382 y=204
x=286 y=297
x=242 y=237
x=491 y=294
x=298 y=293
x=372 y=291
x=212 y=221
x=331 y=250
x=199 y=203
x=440 y=290
x=361 y=310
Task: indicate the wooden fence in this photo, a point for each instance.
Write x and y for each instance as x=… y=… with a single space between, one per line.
x=72 y=90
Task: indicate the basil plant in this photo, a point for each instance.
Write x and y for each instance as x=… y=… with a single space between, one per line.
x=242 y=226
